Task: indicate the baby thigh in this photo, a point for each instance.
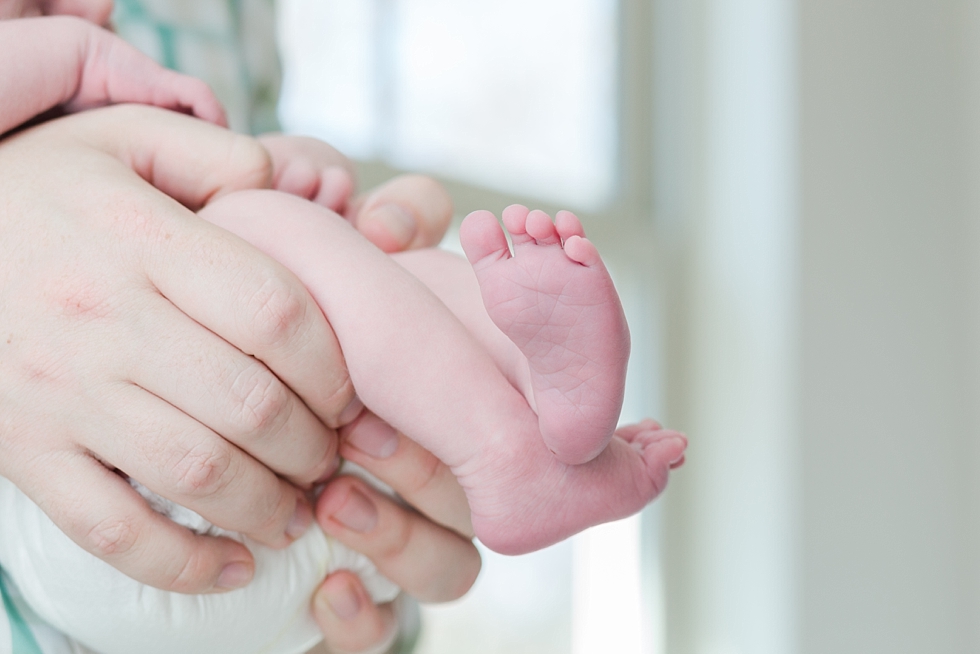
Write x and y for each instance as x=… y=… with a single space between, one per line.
x=451 y=278
x=410 y=359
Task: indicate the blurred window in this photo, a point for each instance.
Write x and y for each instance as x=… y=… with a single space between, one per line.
x=516 y=95
x=509 y=100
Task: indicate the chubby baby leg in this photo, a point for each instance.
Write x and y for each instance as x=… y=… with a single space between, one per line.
x=416 y=366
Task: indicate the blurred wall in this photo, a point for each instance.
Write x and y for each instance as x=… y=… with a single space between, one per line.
x=888 y=329
x=819 y=185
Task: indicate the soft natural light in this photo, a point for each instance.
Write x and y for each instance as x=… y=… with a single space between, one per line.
x=519 y=605
x=607 y=597
x=517 y=95
x=329 y=84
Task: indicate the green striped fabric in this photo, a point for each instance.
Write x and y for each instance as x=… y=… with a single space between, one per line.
x=22 y=640
x=230 y=44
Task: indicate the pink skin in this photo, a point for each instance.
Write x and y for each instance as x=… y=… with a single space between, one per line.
x=311 y=169
x=555 y=300
x=91 y=67
x=425 y=357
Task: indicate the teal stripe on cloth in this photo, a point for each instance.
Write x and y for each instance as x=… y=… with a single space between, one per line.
x=168 y=46
x=22 y=638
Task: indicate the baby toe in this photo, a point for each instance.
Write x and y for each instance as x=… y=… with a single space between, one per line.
x=568 y=225
x=540 y=227
x=482 y=238
x=581 y=250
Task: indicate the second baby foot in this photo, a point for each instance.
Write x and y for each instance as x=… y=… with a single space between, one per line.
x=554 y=298
x=534 y=501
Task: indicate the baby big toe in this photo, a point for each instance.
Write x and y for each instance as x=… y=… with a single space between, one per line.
x=581 y=250
x=482 y=238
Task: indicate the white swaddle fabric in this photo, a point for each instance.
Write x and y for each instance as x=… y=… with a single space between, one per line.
x=110 y=613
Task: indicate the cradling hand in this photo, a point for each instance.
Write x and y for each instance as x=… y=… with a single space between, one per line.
x=427 y=550
x=138 y=339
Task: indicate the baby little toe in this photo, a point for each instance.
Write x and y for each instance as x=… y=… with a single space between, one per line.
x=581 y=250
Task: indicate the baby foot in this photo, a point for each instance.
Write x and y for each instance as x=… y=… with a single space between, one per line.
x=539 y=501
x=555 y=300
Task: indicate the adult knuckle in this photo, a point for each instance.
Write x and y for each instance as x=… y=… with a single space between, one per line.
x=262 y=401
x=202 y=470
x=399 y=537
x=81 y=298
x=111 y=537
x=136 y=222
x=269 y=514
x=339 y=398
x=250 y=161
x=279 y=311
x=188 y=575
x=41 y=366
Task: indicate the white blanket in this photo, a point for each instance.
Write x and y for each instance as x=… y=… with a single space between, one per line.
x=110 y=613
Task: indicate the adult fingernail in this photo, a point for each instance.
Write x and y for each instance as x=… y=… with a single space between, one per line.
x=358 y=513
x=234 y=575
x=343 y=601
x=301 y=520
x=399 y=223
x=374 y=437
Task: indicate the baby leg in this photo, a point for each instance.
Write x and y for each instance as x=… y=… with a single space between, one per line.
x=416 y=366
x=555 y=300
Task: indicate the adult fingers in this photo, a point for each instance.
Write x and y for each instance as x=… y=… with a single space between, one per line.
x=407 y=212
x=349 y=620
x=191 y=465
x=413 y=472
x=190 y=160
x=429 y=562
x=215 y=278
x=232 y=394
x=110 y=520
x=76 y=273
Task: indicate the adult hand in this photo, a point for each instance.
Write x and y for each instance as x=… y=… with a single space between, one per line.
x=428 y=553
x=407 y=212
x=135 y=337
